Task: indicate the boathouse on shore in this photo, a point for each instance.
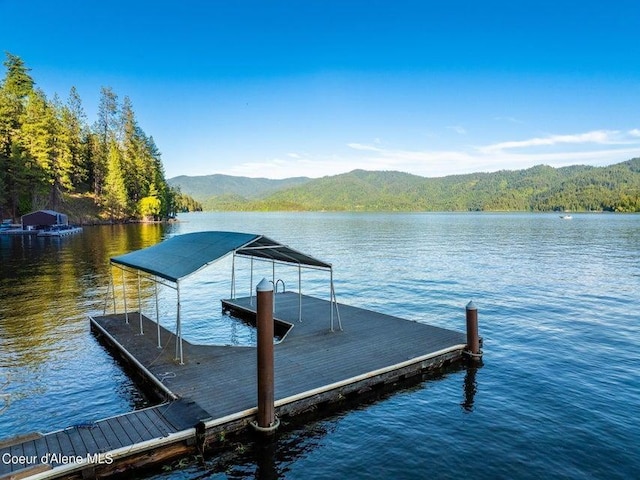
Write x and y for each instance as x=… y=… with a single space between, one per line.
x=43 y=219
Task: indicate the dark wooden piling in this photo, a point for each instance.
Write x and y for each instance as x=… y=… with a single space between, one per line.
x=473 y=339
x=265 y=418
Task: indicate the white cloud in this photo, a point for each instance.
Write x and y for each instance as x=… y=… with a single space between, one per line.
x=600 y=147
x=603 y=137
x=458 y=129
x=360 y=146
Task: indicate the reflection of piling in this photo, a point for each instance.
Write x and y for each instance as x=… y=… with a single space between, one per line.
x=473 y=339
x=470 y=387
x=266 y=420
x=266 y=459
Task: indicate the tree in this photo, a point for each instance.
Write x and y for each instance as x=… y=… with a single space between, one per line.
x=14 y=90
x=150 y=206
x=115 y=192
x=105 y=129
x=75 y=136
x=17 y=81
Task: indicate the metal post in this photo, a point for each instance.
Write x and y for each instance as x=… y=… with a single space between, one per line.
x=273 y=281
x=106 y=297
x=251 y=285
x=473 y=339
x=113 y=290
x=331 y=297
x=233 y=276
x=124 y=296
x=178 y=330
x=299 y=292
x=157 y=314
x=140 y=304
x=266 y=420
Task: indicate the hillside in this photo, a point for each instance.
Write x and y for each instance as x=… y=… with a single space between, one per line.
x=540 y=188
x=216 y=190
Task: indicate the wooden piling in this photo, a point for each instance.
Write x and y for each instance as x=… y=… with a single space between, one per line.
x=473 y=339
x=265 y=419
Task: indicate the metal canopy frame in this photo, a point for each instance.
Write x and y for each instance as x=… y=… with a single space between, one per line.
x=260 y=248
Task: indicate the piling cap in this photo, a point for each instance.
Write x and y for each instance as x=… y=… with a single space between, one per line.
x=264 y=286
x=471 y=306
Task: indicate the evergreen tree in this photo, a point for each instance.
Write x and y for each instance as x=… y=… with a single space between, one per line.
x=115 y=192
x=105 y=129
x=14 y=90
x=75 y=135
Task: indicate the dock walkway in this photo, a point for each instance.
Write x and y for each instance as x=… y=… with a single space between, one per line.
x=100 y=442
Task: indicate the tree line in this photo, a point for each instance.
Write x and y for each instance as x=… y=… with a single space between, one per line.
x=49 y=152
x=614 y=188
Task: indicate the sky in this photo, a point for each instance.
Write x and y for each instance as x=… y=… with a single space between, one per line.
x=279 y=89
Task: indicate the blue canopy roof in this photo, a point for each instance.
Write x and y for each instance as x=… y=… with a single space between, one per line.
x=183 y=255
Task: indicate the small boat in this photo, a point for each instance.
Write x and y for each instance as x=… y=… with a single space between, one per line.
x=566 y=217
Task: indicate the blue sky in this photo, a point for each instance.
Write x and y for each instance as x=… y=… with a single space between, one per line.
x=278 y=89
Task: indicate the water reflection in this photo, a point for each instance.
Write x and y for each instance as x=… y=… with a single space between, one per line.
x=47 y=288
x=470 y=383
x=250 y=455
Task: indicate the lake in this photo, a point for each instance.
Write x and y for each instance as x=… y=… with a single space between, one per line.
x=557 y=395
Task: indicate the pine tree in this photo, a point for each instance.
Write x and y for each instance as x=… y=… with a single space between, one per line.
x=14 y=91
x=105 y=129
x=75 y=136
x=115 y=192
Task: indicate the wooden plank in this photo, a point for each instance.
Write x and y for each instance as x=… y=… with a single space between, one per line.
x=138 y=421
x=152 y=423
x=112 y=440
x=53 y=445
x=119 y=432
x=27 y=449
x=78 y=447
x=134 y=429
x=66 y=447
x=99 y=438
x=87 y=438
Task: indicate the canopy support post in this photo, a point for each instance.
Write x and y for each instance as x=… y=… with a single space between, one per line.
x=299 y=292
x=157 y=314
x=178 y=329
x=251 y=285
x=331 y=297
x=233 y=276
x=273 y=281
x=113 y=289
x=124 y=296
x=335 y=304
x=106 y=296
x=140 y=304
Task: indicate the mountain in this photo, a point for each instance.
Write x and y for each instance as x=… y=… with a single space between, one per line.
x=540 y=188
x=216 y=188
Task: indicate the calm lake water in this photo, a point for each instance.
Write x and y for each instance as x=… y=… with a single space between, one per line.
x=557 y=396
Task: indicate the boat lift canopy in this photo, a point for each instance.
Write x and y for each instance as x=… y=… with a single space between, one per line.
x=180 y=256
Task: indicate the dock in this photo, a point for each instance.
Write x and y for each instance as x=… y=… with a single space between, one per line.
x=205 y=392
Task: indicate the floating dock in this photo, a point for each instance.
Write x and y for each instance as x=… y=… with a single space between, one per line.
x=205 y=392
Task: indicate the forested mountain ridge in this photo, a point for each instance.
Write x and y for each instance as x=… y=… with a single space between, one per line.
x=50 y=155
x=201 y=188
x=540 y=188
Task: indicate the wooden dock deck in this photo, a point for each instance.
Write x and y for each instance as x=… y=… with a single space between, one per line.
x=216 y=387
